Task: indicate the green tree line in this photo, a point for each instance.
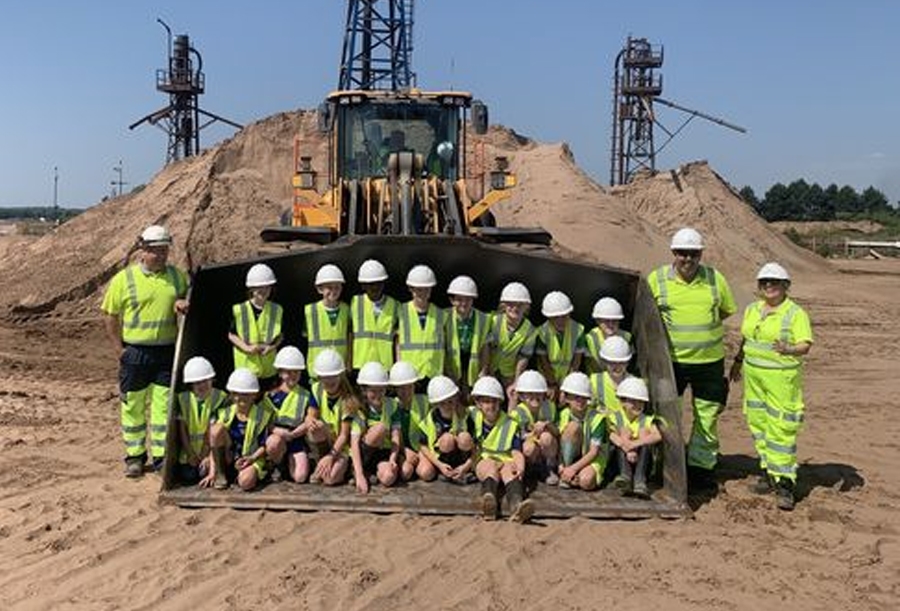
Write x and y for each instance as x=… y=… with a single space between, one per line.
x=801 y=201
x=37 y=212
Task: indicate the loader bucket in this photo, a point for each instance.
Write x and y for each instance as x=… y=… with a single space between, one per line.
x=216 y=288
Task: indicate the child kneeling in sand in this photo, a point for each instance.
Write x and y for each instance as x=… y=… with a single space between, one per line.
x=195 y=410
x=633 y=432
x=536 y=416
x=375 y=439
x=500 y=457
x=448 y=431
x=583 y=440
x=241 y=439
x=338 y=405
x=413 y=408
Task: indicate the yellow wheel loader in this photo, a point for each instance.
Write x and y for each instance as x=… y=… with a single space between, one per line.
x=395 y=192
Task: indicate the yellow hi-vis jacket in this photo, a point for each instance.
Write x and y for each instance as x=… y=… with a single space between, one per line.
x=560 y=353
x=258 y=419
x=422 y=348
x=429 y=429
x=617 y=420
x=480 y=337
x=373 y=336
x=197 y=416
x=693 y=312
x=257 y=330
x=522 y=415
x=511 y=345
x=593 y=428
x=145 y=302
x=603 y=390
x=788 y=323
x=498 y=443
x=332 y=413
x=321 y=333
x=292 y=411
x=594 y=340
x=388 y=417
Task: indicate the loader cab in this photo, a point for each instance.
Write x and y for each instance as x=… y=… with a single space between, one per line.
x=368 y=126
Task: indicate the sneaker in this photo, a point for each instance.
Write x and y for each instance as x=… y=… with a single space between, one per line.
x=641 y=491
x=784 y=495
x=523 y=512
x=565 y=485
x=621 y=483
x=552 y=479
x=134 y=467
x=277 y=475
x=763 y=485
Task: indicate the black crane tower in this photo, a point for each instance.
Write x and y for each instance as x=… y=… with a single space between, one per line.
x=183 y=83
x=377 y=51
x=637 y=85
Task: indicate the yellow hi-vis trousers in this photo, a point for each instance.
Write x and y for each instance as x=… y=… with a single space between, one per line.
x=145 y=373
x=773 y=406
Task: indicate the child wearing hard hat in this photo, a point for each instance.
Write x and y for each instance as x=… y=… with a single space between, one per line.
x=375 y=438
x=499 y=453
x=296 y=415
x=338 y=406
x=513 y=335
x=560 y=340
x=241 y=439
x=373 y=316
x=583 y=435
x=413 y=407
x=536 y=415
x=256 y=326
x=327 y=321
x=633 y=433
x=607 y=315
x=448 y=430
x=468 y=336
x=194 y=410
x=421 y=326
x=615 y=354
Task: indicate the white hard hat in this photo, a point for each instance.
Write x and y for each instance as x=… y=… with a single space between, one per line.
x=576 y=383
x=687 y=238
x=372 y=373
x=260 y=275
x=633 y=388
x=329 y=273
x=608 y=308
x=441 y=388
x=773 y=271
x=515 y=292
x=328 y=363
x=488 y=386
x=556 y=303
x=463 y=286
x=290 y=358
x=421 y=276
x=156 y=235
x=371 y=271
x=242 y=380
x=403 y=373
x=615 y=349
x=198 y=369
x=531 y=381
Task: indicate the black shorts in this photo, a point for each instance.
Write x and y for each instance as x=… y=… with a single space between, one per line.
x=707 y=380
x=296 y=445
x=372 y=456
x=454 y=458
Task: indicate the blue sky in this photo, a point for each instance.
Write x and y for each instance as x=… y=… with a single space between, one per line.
x=813 y=82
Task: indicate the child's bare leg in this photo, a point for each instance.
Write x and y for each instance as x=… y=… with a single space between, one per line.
x=335 y=475
x=587 y=478
x=247 y=478
x=531 y=450
x=410 y=462
x=425 y=470
x=298 y=466
x=446 y=443
x=375 y=435
x=550 y=456
x=570 y=443
x=387 y=474
x=275 y=449
x=464 y=442
x=218 y=442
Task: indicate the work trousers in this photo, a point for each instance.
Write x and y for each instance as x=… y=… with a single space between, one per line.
x=145 y=374
x=773 y=406
x=709 y=390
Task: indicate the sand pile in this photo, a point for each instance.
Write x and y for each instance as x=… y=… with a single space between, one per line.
x=216 y=203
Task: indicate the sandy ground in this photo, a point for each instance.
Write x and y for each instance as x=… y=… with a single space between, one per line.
x=75 y=534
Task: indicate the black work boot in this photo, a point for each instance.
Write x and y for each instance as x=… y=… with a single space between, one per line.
x=784 y=494
x=489 y=499
x=221 y=480
x=134 y=466
x=763 y=485
x=624 y=480
x=522 y=508
x=640 y=473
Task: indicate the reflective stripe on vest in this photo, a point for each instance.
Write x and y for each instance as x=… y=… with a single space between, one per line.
x=690 y=331
x=634 y=426
x=196 y=417
x=388 y=407
x=498 y=444
x=479 y=337
x=763 y=354
x=257 y=420
x=422 y=348
x=561 y=355
x=603 y=389
x=586 y=425
x=158 y=325
x=522 y=415
x=510 y=345
x=321 y=333
x=594 y=340
x=429 y=429
x=261 y=330
x=373 y=336
x=292 y=411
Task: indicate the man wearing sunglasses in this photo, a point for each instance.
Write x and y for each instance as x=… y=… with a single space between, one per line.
x=693 y=300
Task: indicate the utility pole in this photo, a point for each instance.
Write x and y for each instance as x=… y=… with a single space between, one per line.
x=118 y=183
x=55 y=188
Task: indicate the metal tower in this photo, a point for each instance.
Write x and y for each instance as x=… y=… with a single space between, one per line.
x=636 y=86
x=180 y=119
x=377 y=52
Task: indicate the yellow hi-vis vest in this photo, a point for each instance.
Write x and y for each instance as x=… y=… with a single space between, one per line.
x=498 y=443
x=788 y=323
x=292 y=411
x=522 y=415
x=594 y=340
x=429 y=429
x=422 y=348
x=691 y=312
x=145 y=303
x=592 y=425
x=196 y=417
x=373 y=336
x=560 y=354
x=618 y=420
x=259 y=330
x=603 y=389
x=479 y=339
x=365 y=419
x=418 y=410
x=331 y=411
x=321 y=333
x=510 y=345
x=258 y=420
